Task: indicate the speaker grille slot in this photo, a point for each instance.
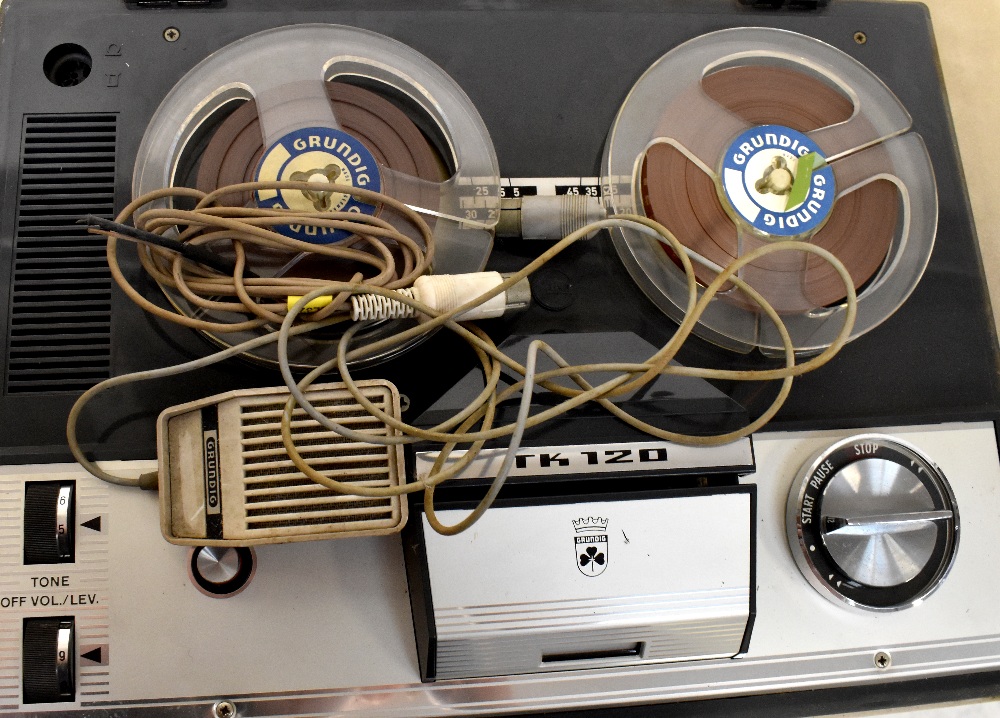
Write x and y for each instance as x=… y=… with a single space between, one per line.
x=279 y=498
x=60 y=321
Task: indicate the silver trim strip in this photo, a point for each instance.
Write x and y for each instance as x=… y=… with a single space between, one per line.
x=64 y=530
x=64 y=658
x=605 y=687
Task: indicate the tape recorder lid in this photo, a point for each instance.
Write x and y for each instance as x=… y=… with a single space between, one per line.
x=934 y=360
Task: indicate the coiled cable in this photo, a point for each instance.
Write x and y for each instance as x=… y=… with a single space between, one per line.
x=474 y=424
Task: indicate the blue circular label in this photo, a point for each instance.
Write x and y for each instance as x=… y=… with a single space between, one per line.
x=776 y=180
x=320 y=155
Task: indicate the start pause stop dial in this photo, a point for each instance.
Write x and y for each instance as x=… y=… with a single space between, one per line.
x=872 y=522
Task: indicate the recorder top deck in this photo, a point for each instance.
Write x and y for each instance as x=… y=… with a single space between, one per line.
x=935 y=350
x=744 y=195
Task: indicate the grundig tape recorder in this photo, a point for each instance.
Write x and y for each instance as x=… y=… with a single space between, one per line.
x=462 y=358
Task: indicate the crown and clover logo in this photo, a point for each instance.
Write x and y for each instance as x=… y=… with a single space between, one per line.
x=591 y=545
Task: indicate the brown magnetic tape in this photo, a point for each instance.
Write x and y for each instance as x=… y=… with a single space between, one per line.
x=235 y=148
x=862 y=224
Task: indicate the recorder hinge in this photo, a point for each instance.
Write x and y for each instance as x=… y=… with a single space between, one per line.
x=143 y=4
x=790 y=4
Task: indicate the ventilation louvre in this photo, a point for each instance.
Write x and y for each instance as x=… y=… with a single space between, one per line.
x=229 y=480
x=60 y=319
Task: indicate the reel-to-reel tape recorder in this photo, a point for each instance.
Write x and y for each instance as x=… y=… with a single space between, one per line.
x=747 y=196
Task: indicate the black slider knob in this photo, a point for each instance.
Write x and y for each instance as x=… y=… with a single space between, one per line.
x=49 y=534
x=48 y=660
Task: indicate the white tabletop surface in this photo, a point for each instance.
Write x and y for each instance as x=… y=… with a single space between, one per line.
x=966 y=32
x=977 y=709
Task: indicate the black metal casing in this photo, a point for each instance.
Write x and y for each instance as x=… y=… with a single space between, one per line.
x=548 y=79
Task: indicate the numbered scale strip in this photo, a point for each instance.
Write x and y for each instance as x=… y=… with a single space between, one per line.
x=549 y=186
x=480 y=205
x=11 y=496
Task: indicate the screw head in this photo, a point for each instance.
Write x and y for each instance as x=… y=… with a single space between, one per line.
x=224 y=709
x=171 y=34
x=860 y=38
x=882 y=660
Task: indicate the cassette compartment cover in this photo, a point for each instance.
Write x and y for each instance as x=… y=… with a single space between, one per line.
x=585 y=584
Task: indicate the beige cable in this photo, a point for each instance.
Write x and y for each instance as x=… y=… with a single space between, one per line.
x=394 y=259
x=632 y=376
x=261 y=301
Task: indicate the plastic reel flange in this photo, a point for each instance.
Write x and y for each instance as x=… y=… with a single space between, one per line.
x=755 y=170
x=286 y=71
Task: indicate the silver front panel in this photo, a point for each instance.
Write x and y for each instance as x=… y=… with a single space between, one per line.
x=325 y=627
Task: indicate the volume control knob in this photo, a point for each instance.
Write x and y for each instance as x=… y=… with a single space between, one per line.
x=49 y=660
x=873 y=522
x=221 y=571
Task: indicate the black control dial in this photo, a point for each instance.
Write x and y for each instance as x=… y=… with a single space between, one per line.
x=49 y=529
x=873 y=523
x=221 y=571
x=48 y=660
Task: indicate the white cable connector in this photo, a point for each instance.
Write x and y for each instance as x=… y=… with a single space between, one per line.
x=445 y=292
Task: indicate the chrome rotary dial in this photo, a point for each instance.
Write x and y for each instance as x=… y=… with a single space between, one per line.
x=221 y=571
x=872 y=522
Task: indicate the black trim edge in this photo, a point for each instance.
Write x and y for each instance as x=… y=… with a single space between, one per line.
x=752 y=612
x=421 y=601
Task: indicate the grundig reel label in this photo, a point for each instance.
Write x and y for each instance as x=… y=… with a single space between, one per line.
x=778 y=182
x=599 y=459
x=318 y=155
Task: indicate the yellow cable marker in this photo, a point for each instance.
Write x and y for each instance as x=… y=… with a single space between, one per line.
x=314 y=306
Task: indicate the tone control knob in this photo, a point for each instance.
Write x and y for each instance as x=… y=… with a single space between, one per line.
x=222 y=571
x=48 y=660
x=49 y=529
x=873 y=522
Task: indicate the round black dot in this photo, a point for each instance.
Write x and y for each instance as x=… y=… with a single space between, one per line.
x=67 y=65
x=552 y=289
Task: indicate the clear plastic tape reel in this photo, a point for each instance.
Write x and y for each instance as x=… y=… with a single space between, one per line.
x=704 y=130
x=284 y=71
